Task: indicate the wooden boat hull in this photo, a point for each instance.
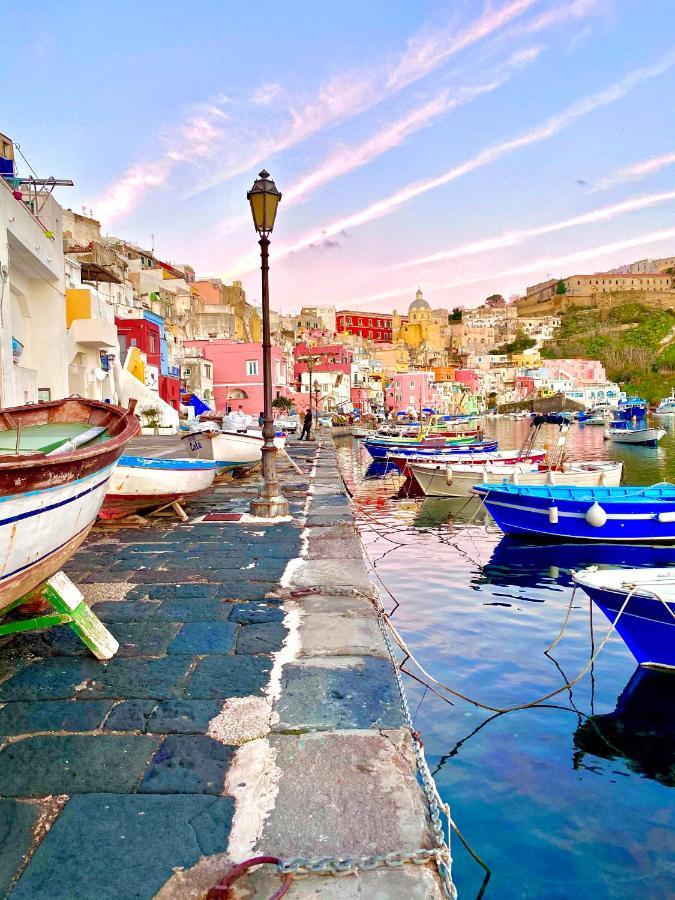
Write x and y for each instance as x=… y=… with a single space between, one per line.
x=504 y=457
x=459 y=481
x=230 y=449
x=140 y=483
x=48 y=502
x=40 y=531
x=647 y=624
x=380 y=450
x=587 y=514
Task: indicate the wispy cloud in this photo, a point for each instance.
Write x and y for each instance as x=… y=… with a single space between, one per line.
x=635 y=172
x=558 y=264
x=512 y=238
x=202 y=132
x=541 y=132
x=356 y=91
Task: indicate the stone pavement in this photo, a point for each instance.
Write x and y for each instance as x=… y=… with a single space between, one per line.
x=252 y=707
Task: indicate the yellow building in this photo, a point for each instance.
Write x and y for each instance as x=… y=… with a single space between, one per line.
x=526 y=360
x=422 y=327
x=393 y=359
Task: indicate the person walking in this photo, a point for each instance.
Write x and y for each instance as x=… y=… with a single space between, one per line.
x=306 y=426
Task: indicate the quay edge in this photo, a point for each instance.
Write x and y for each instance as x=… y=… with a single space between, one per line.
x=336 y=775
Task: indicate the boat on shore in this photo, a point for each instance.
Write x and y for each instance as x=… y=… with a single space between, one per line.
x=583 y=513
x=458 y=480
x=141 y=483
x=56 y=460
x=642 y=604
x=229 y=449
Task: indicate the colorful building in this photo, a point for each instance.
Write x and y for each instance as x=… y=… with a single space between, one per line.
x=370 y=326
x=412 y=391
x=238 y=374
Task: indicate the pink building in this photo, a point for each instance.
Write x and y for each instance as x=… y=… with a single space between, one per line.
x=412 y=391
x=469 y=378
x=326 y=358
x=523 y=386
x=238 y=374
x=577 y=370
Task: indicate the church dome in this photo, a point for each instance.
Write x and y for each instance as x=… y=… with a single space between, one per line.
x=419 y=302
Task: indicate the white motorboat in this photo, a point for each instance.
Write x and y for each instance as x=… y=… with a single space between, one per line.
x=458 y=480
x=667 y=406
x=639 y=436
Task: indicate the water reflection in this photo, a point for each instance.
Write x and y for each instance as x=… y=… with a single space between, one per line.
x=641 y=730
x=530 y=563
x=436 y=511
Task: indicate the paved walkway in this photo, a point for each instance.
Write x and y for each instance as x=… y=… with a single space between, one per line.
x=119 y=780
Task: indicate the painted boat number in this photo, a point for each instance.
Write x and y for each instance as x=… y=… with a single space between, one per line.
x=195 y=444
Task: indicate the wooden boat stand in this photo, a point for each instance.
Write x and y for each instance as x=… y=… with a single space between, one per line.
x=69 y=609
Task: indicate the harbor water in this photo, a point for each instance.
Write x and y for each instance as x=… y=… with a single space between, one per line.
x=573 y=798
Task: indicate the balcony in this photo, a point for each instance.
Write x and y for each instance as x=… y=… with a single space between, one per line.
x=93 y=333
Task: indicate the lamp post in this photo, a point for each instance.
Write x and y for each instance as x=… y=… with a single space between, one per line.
x=264 y=199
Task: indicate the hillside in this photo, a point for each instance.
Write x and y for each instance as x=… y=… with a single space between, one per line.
x=635 y=343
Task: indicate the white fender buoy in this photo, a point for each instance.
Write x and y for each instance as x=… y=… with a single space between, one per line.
x=666 y=517
x=448 y=475
x=553 y=515
x=596 y=515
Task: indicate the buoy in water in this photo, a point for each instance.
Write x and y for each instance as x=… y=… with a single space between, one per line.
x=596 y=515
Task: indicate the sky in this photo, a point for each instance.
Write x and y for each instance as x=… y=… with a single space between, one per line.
x=462 y=147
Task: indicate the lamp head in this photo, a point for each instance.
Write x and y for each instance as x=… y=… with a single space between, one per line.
x=264 y=199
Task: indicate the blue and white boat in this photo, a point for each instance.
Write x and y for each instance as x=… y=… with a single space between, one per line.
x=380 y=449
x=667 y=406
x=642 y=603
x=630 y=425
x=583 y=513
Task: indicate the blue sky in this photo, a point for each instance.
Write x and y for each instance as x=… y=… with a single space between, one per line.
x=462 y=147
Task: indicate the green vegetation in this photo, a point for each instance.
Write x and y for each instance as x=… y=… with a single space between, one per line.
x=455 y=315
x=521 y=342
x=560 y=288
x=285 y=404
x=635 y=343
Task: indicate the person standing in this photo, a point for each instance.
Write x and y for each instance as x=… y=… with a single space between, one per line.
x=261 y=420
x=306 y=426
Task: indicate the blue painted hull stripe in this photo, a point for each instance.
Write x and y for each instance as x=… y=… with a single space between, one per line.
x=38 y=512
x=36 y=562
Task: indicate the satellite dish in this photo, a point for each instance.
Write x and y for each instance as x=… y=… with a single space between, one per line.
x=100 y=374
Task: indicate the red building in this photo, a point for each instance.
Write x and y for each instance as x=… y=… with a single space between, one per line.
x=148 y=335
x=370 y=326
x=325 y=358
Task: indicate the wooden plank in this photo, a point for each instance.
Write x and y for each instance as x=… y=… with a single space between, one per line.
x=65 y=598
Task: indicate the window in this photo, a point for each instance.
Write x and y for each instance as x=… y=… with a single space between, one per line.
x=412 y=385
x=251 y=366
x=153 y=342
x=207 y=370
x=349 y=320
x=188 y=371
x=44 y=395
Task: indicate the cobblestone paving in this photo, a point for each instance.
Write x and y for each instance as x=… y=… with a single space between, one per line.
x=110 y=776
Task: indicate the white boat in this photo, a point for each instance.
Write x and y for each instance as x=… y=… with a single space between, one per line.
x=56 y=460
x=142 y=483
x=645 y=437
x=458 y=480
x=230 y=449
x=667 y=406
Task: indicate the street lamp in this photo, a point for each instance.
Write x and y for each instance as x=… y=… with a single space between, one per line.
x=264 y=199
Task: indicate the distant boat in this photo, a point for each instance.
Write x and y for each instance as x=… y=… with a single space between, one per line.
x=647 y=623
x=56 y=460
x=639 y=434
x=142 y=483
x=599 y=414
x=667 y=406
x=580 y=513
x=458 y=480
x=431 y=461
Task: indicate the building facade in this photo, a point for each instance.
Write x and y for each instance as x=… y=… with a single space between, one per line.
x=370 y=326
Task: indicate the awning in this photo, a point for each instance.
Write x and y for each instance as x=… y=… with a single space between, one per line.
x=196 y=403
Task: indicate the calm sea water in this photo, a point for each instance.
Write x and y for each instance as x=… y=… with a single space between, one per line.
x=574 y=799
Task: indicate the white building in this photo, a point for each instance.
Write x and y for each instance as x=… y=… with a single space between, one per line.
x=33 y=341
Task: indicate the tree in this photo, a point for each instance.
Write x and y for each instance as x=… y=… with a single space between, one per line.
x=494 y=301
x=560 y=288
x=285 y=404
x=456 y=314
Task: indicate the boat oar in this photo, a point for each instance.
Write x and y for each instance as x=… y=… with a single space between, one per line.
x=77 y=441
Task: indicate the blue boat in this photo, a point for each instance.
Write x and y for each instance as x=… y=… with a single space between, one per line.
x=583 y=513
x=379 y=449
x=642 y=603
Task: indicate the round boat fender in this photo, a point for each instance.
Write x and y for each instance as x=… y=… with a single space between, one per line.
x=666 y=517
x=596 y=515
x=448 y=474
x=553 y=515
